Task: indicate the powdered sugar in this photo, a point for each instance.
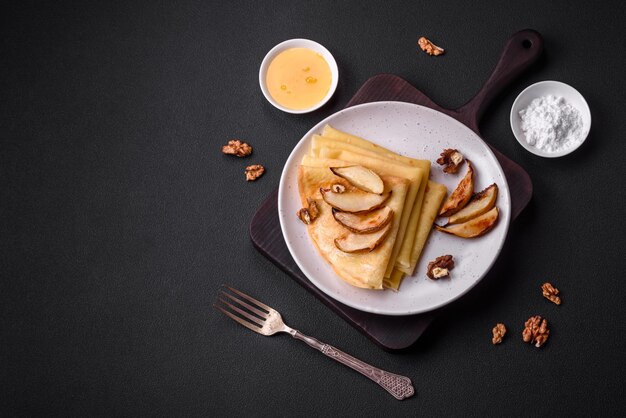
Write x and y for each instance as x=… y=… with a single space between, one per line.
x=551 y=124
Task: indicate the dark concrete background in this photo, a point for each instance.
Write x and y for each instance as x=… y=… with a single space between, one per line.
x=120 y=217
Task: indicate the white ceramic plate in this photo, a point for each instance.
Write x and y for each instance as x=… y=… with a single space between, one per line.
x=419 y=132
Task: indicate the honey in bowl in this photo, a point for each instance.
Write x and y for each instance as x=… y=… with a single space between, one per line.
x=298 y=78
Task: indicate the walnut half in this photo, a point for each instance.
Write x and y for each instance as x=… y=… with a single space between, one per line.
x=550 y=292
x=313 y=208
x=452 y=159
x=440 y=267
x=429 y=47
x=304 y=215
x=536 y=331
x=308 y=214
x=254 y=171
x=238 y=148
x=498 y=333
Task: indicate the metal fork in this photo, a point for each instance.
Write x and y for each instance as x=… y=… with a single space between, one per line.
x=260 y=318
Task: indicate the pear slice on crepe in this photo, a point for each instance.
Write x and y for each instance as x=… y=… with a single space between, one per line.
x=356 y=201
x=361 y=177
x=356 y=243
x=366 y=223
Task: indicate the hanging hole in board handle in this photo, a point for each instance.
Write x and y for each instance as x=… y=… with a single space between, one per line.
x=527 y=43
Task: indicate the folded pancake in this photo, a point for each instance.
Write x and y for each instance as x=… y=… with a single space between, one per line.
x=329 y=148
x=365 y=270
x=382 y=167
x=335 y=139
x=435 y=193
x=337 y=135
x=426 y=204
x=394 y=281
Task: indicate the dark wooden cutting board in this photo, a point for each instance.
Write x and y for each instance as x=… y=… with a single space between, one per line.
x=399 y=332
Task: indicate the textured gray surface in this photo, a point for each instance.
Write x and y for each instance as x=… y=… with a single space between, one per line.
x=120 y=217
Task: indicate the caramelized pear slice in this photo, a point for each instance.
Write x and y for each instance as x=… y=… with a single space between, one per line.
x=461 y=195
x=480 y=203
x=365 y=223
x=355 y=201
x=361 y=177
x=357 y=243
x=474 y=227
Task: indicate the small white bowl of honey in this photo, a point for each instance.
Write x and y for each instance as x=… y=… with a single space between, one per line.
x=298 y=76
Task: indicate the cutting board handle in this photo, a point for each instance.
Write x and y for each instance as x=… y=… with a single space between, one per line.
x=521 y=50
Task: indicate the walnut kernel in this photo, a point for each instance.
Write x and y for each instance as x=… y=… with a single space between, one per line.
x=254 y=171
x=313 y=208
x=498 y=333
x=238 y=148
x=429 y=47
x=536 y=331
x=440 y=267
x=452 y=159
x=550 y=292
x=304 y=215
x=308 y=214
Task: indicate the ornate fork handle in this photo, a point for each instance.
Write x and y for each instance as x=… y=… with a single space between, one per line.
x=399 y=386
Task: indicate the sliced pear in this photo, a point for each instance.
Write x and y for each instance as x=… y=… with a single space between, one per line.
x=361 y=177
x=355 y=201
x=474 y=227
x=365 y=223
x=461 y=195
x=480 y=203
x=357 y=243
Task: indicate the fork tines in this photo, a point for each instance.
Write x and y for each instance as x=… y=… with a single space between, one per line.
x=242 y=310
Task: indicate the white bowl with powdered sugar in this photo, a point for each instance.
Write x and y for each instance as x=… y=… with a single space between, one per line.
x=550 y=119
